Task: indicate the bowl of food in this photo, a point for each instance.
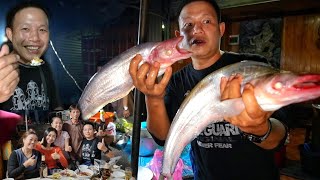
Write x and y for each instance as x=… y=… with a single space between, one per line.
x=84 y=173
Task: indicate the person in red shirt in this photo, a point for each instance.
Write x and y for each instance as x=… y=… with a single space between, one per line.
x=53 y=154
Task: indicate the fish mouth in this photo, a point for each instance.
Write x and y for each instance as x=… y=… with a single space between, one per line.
x=307 y=82
x=180 y=49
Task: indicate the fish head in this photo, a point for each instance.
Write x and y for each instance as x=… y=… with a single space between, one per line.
x=168 y=52
x=281 y=89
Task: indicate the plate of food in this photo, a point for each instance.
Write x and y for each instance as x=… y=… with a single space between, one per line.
x=68 y=173
x=84 y=173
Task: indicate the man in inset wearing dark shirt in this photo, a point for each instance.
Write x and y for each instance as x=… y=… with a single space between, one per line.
x=27 y=29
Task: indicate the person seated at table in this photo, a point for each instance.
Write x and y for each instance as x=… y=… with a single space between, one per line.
x=24 y=163
x=92 y=146
x=63 y=137
x=53 y=154
x=107 y=131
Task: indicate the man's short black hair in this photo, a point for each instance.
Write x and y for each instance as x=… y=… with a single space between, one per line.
x=25 y=4
x=212 y=2
x=89 y=123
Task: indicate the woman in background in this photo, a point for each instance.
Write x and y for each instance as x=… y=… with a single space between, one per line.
x=24 y=163
x=53 y=154
x=63 y=137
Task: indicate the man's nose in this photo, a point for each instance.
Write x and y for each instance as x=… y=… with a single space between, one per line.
x=34 y=35
x=197 y=28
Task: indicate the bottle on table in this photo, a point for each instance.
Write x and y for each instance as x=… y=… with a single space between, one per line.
x=43 y=167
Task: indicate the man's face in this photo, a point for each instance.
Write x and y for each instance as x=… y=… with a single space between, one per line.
x=29 y=34
x=74 y=114
x=88 y=131
x=202 y=32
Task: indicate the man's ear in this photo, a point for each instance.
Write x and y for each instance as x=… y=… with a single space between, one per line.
x=9 y=33
x=177 y=33
x=222 y=27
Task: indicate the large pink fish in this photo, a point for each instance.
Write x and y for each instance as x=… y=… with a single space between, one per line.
x=273 y=90
x=113 y=81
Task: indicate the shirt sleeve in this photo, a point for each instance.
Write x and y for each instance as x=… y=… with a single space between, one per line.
x=65 y=134
x=38 y=147
x=62 y=160
x=14 y=168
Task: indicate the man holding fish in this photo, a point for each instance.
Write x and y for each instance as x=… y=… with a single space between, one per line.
x=242 y=146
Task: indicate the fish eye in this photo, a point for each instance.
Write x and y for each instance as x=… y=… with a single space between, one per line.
x=168 y=52
x=278 y=85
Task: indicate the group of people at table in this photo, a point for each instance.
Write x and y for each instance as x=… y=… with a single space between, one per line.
x=63 y=145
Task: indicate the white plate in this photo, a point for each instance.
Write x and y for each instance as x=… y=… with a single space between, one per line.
x=83 y=167
x=84 y=170
x=144 y=173
x=118 y=174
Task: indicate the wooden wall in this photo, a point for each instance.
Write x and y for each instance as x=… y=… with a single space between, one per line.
x=299 y=50
x=300 y=43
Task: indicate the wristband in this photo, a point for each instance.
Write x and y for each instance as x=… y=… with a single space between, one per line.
x=255 y=138
x=125 y=108
x=105 y=152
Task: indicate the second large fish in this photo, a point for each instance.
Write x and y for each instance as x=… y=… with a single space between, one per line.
x=273 y=90
x=113 y=81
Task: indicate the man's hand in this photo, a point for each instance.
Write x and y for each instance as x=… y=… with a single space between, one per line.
x=145 y=77
x=100 y=132
x=101 y=146
x=68 y=148
x=30 y=162
x=9 y=73
x=126 y=113
x=252 y=119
